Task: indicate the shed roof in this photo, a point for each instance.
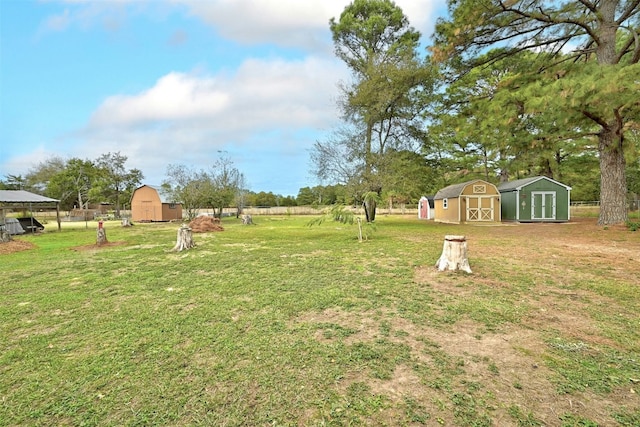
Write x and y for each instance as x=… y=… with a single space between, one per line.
x=21 y=196
x=454 y=190
x=519 y=183
x=164 y=197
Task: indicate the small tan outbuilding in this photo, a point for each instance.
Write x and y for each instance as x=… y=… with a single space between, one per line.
x=148 y=204
x=471 y=201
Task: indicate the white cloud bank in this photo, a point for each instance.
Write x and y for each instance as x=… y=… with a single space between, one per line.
x=291 y=23
x=260 y=95
x=264 y=108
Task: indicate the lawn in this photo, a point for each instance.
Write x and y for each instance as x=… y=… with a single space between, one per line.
x=282 y=324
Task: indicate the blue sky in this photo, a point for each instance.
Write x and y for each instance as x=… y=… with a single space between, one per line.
x=174 y=82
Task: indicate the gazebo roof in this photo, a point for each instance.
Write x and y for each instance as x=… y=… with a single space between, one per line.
x=21 y=196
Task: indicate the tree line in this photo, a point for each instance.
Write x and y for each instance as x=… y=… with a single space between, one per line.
x=504 y=90
x=81 y=183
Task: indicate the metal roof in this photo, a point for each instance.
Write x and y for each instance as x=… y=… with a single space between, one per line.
x=21 y=196
x=519 y=183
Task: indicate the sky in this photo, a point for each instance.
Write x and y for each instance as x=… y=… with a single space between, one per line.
x=175 y=82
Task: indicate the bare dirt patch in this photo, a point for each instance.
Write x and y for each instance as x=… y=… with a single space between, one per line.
x=15 y=246
x=506 y=366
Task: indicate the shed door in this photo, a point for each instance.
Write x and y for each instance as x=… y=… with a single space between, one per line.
x=543 y=205
x=480 y=208
x=147 y=210
x=424 y=209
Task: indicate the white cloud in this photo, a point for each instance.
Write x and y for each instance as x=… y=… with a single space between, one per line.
x=175 y=96
x=261 y=94
x=265 y=106
x=291 y=23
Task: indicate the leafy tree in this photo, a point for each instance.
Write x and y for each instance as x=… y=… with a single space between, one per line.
x=15 y=182
x=226 y=182
x=406 y=177
x=72 y=185
x=595 y=94
x=264 y=199
x=581 y=173
x=490 y=134
x=288 y=201
x=188 y=187
x=114 y=181
x=69 y=180
x=40 y=175
x=374 y=39
x=306 y=197
x=240 y=199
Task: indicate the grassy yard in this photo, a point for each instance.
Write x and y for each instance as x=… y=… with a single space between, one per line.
x=281 y=324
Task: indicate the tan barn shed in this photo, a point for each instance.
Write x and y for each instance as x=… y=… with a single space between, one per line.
x=148 y=204
x=472 y=201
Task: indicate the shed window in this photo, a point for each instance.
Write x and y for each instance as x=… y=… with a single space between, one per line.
x=480 y=188
x=172 y=205
x=445 y=203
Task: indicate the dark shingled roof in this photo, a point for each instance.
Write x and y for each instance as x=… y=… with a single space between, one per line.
x=454 y=190
x=21 y=196
x=519 y=183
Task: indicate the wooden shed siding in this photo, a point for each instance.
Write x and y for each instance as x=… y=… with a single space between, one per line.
x=490 y=190
x=562 y=196
x=509 y=205
x=517 y=204
x=488 y=200
x=451 y=214
x=171 y=212
x=146 y=205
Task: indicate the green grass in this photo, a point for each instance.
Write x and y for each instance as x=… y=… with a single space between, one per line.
x=282 y=324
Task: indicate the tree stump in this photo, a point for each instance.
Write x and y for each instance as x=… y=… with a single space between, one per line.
x=454 y=254
x=101 y=237
x=126 y=222
x=4 y=235
x=185 y=239
x=247 y=220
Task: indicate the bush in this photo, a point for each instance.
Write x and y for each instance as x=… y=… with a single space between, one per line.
x=633 y=226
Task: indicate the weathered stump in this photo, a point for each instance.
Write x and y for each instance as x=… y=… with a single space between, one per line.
x=247 y=220
x=126 y=222
x=185 y=239
x=454 y=254
x=4 y=236
x=101 y=237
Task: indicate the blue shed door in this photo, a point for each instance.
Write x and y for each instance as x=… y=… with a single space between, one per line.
x=543 y=205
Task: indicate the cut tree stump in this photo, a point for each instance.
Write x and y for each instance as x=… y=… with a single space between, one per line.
x=185 y=239
x=126 y=222
x=101 y=237
x=247 y=220
x=4 y=235
x=454 y=254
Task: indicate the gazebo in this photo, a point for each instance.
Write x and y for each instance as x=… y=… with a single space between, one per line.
x=20 y=199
